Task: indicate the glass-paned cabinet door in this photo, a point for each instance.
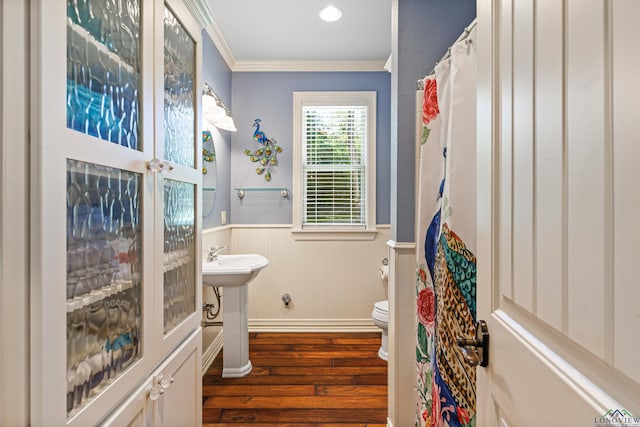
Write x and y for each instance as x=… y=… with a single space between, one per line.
x=104 y=288
x=179 y=248
x=103 y=69
x=180 y=187
x=179 y=95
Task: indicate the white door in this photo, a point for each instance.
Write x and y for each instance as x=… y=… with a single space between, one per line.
x=558 y=211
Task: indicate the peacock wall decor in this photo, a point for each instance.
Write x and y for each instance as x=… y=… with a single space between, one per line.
x=266 y=153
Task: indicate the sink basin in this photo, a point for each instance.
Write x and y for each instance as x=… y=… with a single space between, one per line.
x=232 y=270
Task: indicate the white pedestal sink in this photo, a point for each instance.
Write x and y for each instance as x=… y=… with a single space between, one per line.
x=233 y=273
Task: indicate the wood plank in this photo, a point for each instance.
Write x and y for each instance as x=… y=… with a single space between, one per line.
x=269 y=360
x=351 y=390
x=284 y=380
x=284 y=336
x=293 y=402
x=274 y=425
x=370 y=379
x=374 y=340
x=340 y=370
x=211 y=415
x=264 y=347
x=309 y=354
x=370 y=361
x=294 y=425
x=311 y=415
x=350 y=425
x=259 y=390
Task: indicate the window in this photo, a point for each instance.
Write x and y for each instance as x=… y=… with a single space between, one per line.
x=334 y=158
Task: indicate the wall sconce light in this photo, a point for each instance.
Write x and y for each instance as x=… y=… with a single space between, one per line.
x=214 y=112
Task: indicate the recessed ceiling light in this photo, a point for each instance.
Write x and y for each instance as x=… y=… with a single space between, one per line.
x=330 y=14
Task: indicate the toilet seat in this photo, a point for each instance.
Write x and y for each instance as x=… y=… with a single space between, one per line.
x=381 y=311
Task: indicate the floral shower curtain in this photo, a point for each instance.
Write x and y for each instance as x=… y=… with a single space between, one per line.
x=445 y=263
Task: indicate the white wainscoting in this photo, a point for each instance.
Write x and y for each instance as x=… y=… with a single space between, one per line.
x=333 y=284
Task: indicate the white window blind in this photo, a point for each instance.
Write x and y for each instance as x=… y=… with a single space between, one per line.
x=334 y=165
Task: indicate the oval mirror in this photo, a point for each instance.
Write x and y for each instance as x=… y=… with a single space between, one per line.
x=209 y=171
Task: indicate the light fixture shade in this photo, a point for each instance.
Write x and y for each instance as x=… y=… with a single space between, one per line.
x=226 y=123
x=214 y=113
x=212 y=109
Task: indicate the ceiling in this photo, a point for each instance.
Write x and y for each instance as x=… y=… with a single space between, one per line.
x=262 y=31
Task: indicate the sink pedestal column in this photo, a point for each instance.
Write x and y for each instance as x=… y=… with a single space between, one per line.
x=235 y=361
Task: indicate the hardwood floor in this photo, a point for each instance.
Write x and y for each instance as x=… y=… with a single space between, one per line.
x=301 y=380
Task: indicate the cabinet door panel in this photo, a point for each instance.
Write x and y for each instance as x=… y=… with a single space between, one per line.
x=103 y=69
x=178 y=203
x=181 y=403
x=104 y=287
x=135 y=411
x=179 y=92
x=179 y=252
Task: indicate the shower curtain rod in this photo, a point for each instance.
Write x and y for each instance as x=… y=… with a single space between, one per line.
x=447 y=54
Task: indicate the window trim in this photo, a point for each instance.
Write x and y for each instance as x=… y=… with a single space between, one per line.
x=334 y=232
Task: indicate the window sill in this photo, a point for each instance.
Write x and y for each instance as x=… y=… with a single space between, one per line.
x=332 y=235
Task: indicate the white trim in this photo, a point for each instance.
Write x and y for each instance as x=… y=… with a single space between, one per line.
x=312 y=325
x=331 y=98
x=14 y=213
x=211 y=352
x=308 y=66
x=201 y=11
x=270 y=226
x=221 y=44
x=240 y=372
x=332 y=235
x=401 y=246
x=216 y=229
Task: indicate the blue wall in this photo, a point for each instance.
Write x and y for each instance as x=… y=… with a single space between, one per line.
x=269 y=96
x=422 y=30
x=217 y=74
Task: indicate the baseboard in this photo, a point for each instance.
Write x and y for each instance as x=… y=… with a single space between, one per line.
x=212 y=351
x=389 y=423
x=312 y=325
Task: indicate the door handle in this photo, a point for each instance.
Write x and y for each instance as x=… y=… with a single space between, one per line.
x=155 y=166
x=476 y=350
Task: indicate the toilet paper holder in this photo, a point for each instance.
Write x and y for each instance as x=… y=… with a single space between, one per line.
x=384 y=269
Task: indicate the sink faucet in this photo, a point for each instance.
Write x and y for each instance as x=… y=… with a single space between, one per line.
x=212 y=255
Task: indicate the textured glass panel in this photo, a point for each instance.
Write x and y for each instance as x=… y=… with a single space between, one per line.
x=104 y=255
x=179 y=118
x=103 y=69
x=179 y=252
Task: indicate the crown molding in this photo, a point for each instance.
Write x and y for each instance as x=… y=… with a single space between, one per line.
x=201 y=11
x=308 y=66
x=204 y=16
x=221 y=44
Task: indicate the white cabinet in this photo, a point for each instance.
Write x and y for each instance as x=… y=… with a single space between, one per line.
x=171 y=396
x=115 y=225
x=181 y=376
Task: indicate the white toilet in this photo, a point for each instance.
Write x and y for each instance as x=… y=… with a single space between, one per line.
x=380 y=317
